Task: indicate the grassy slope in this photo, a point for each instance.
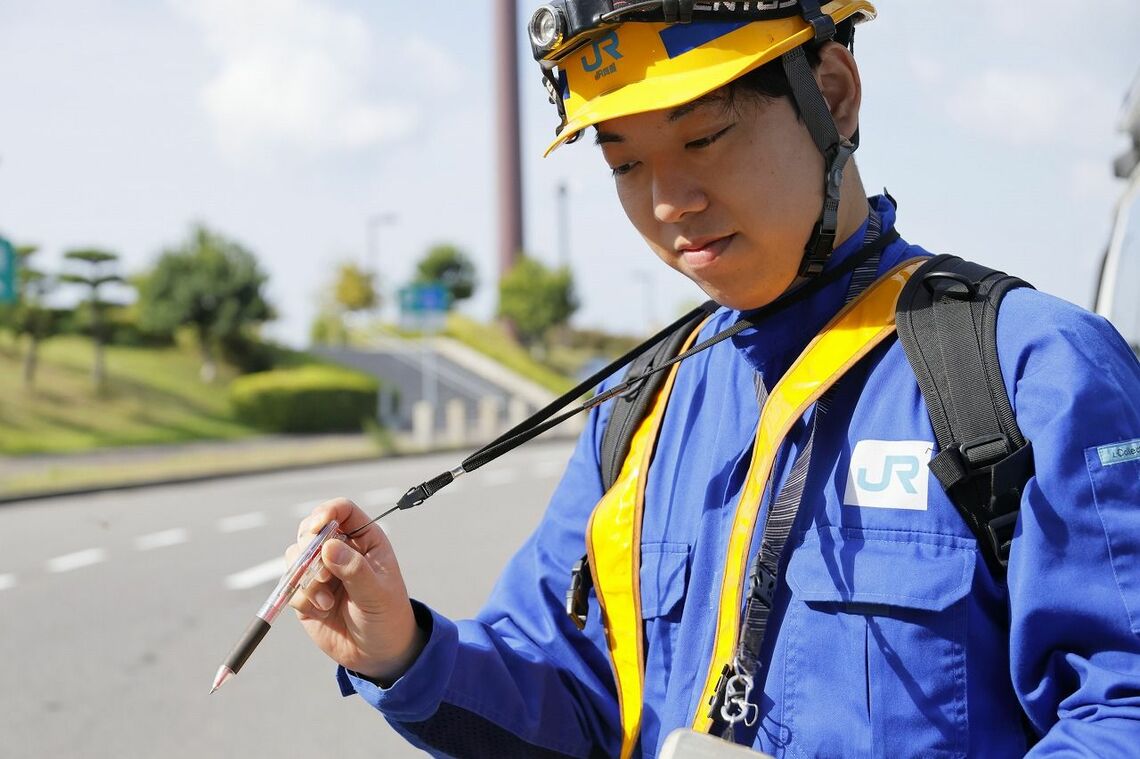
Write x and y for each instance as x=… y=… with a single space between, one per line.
x=154 y=396
x=492 y=341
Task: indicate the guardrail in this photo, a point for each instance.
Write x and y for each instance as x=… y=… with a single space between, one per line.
x=461 y=430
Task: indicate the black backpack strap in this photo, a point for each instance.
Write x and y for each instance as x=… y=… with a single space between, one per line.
x=630 y=407
x=947 y=323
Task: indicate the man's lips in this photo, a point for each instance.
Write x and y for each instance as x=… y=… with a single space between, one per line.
x=704 y=250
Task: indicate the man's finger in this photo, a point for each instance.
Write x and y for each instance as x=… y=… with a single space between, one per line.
x=319 y=597
x=356 y=573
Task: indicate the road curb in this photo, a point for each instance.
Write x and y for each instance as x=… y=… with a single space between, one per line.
x=43 y=495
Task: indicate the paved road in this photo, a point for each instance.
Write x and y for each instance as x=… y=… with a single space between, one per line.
x=116 y=609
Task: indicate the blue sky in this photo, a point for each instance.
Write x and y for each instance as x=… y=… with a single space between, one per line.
x=286 y=124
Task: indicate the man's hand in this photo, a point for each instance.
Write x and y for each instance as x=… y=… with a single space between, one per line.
x=357 y=611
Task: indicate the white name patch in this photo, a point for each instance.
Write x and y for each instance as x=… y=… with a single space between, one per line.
x=889 y=474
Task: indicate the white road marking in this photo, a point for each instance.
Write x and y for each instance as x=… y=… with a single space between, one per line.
x=242 y=522
x=500 y=477
x=262 y=574
x=7 y=581
x=77 y=560
x=163 y=539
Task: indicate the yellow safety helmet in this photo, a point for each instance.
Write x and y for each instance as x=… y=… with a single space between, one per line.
x=604 y=59
x=619 y=61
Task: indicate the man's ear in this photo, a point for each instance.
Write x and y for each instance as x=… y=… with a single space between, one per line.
x=838 y=79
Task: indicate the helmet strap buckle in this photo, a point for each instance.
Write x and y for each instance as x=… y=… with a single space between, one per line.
x=822 y=24
x=822 y=240
x=677 y=11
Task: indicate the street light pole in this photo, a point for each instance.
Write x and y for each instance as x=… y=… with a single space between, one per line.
x=563 y=225
x=372 y=265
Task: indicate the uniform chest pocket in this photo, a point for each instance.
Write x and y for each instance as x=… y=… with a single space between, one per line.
x=664 y=575
x=875 y=634
x=664 y=580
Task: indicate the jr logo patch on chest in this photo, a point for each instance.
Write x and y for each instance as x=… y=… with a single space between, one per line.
x=889 y=474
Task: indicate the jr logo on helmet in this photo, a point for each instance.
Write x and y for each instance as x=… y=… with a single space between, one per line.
x=603 y=46
x=889 y=474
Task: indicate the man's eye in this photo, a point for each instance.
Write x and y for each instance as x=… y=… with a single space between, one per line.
x=622 y=169
x=704 y=142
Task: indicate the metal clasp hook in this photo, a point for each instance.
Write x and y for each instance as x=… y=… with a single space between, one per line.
x=736 y=705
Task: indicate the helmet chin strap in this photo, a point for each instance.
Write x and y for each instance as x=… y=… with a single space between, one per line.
x=836 y=150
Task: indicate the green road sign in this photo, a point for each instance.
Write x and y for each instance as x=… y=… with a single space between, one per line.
x=421 y=298
x=9 y=287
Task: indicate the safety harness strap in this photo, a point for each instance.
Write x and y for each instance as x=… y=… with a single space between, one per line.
x=733 y=706
x=613 y=540
x=854 y=332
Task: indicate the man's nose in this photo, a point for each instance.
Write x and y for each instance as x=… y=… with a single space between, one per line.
x=675 y=194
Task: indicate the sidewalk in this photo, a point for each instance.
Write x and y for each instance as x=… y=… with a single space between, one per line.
x=39 y=476
x=25 y=478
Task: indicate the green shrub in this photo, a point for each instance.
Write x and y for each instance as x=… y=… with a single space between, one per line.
x=306 y=399
x=247 y=353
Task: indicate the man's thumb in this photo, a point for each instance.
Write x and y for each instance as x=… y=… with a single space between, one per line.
x=352 y=569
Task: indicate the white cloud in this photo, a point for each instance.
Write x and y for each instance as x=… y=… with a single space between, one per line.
x=301 y=75
x=1021 y=108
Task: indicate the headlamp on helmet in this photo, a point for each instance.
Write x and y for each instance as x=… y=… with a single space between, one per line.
x=547 y=28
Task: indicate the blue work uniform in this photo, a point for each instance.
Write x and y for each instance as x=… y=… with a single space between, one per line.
x=889 y=635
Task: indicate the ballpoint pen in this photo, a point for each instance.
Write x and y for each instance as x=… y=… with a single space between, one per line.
x=298 y=576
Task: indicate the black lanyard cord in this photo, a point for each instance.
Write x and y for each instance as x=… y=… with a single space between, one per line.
x=554 y=414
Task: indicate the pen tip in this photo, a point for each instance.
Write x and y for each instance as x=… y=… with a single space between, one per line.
x=224 y=674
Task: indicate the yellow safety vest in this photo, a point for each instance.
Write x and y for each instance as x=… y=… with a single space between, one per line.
x=613 y=536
